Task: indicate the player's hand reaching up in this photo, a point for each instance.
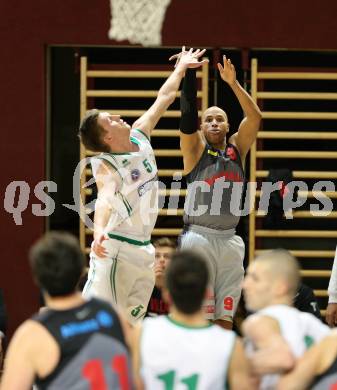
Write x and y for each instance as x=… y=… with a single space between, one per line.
x=227 y=71
x=189 y=58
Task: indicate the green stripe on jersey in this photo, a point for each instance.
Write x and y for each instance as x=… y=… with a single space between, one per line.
x=142 y=132
x=188 y=326
x=113 y=278
x=129 y=240
x=126 y=203
x=135 y=140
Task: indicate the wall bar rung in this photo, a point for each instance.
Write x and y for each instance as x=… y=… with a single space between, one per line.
x=305 y=174
x=132 y=73
x=296 y=233
x=298 y=115
x=298 y=95
x=297 y=75
x=319 y=135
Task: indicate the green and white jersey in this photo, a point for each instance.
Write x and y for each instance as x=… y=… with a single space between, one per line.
x=174 y=356
x=135 y=200
x=300 y=330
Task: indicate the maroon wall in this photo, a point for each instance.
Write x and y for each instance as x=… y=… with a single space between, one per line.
x=305 y=24
x=27 y=27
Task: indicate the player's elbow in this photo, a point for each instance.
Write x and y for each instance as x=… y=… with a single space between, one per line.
x=257 y=116
x=254 y=115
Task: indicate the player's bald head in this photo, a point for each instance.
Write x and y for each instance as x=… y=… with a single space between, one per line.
x=280 y=264
x=214 y=110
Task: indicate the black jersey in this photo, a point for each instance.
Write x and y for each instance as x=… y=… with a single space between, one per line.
x=305 y=300
x=215 y=189
x=157 y=305
x=93 y=353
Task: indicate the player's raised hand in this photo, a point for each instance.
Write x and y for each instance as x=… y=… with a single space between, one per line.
x=189 y=58
x=227 y=71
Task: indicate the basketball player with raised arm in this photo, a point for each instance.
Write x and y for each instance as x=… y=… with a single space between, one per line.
x=122 y=256
x=213 y=166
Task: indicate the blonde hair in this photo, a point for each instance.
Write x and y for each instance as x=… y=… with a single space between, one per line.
x=165 y=241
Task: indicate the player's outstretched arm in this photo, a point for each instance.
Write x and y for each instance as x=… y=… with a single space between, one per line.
x=167 y=93
x=107 y=183
x=192 y=143
x=248 y=129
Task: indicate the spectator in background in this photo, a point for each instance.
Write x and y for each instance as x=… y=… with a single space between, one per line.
x=164 y=249
x=306 y=301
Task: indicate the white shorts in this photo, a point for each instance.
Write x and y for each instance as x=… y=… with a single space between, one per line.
x=224 y=252
x=125 y=278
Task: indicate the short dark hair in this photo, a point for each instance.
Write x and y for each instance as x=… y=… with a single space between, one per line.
x=165 y=241
x=57 y=263
x=186 y=280
x=90 y=132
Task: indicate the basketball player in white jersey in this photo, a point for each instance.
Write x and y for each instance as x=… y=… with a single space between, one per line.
x=122 y=257
x=277 y=334
x=184 y=350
